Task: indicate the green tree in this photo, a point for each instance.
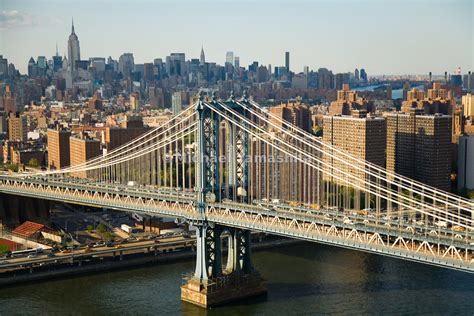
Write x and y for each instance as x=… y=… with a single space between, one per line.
x=12 y=166
x=89 y=228
x=3 y=249
x=34 y=163
x=470 y=194
x=101 y=228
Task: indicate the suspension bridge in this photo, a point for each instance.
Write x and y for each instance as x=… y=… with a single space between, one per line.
x=229 y=167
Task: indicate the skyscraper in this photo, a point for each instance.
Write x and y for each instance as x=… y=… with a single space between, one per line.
x=57 y=60
x=3 y=67
x=126 y=64
x=73 y=51
x=363 y=75
x=237 y=62
x=468 y=105
x=229 y=58
x=176 y=102
x=202 y=59
x=287 y=61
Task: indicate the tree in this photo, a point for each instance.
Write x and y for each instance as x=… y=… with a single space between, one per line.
x=12 y=166
x=3 y=249
x=89 y=228
x=34 y=163
x=470 y=194
x=101 y=228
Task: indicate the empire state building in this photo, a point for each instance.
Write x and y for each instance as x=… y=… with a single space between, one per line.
x=73 y=51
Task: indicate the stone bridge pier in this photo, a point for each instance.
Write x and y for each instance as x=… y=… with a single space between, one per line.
x=224 y=270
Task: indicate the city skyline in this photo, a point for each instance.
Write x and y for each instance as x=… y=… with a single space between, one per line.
x=40 y=25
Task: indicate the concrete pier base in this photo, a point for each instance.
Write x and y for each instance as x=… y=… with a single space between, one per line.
x=223 y=289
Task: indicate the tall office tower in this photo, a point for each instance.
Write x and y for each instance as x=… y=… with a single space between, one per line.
x=360 y=136
x=81 y=149
x=176 y=103
x=202 y=58
x=287 y=61
x=175 y=64
x=58 y=148
x=229 y=58
x=73 y=51
x=17 y=127
x=468 y=105
x=325 y=79
x=363 y=75
x=465 y=162
x=42 y=64
x=126 y=64
x=32 y=68
x=57 y=60
x=148 y=71
x=9 y=102
x=306 y=70
x=356 y=75
x=419 y=147
x=236 y=62
x=3 y=67
x=468 y=82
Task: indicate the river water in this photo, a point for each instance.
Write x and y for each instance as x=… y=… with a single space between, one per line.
x=396 y=93
x=303 y=279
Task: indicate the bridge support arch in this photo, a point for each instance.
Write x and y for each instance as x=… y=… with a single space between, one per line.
x=215 y=282
x=211 y=284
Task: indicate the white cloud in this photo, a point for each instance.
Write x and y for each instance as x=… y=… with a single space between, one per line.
x=15 y=19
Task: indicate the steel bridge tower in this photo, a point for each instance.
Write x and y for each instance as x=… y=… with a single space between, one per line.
x=213 y=283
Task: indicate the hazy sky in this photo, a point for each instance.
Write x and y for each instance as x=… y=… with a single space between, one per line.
x=385 y=37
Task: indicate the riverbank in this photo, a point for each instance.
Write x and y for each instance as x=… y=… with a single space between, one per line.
x=113 y=263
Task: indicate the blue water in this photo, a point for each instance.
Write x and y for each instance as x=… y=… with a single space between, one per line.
x=396 y=93
x=303 y=279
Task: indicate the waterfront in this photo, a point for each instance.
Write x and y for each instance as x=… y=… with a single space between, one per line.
x=302 y=279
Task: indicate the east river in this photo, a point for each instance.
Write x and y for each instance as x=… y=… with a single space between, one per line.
x=303 y=279
x=396 y=93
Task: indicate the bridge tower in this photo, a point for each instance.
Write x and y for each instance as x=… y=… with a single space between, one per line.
x=214 y=283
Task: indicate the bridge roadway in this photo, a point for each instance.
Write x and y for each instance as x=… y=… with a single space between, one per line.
x=401 y=239
x=164 y=244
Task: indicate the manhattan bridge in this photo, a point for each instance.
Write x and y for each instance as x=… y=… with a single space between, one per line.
x=229 y=167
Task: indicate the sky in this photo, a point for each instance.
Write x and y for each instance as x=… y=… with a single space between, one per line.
x=382 y=36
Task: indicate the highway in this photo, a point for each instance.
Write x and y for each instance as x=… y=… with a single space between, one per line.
x=159 y=245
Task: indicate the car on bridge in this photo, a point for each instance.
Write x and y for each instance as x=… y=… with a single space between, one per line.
x=347 y=221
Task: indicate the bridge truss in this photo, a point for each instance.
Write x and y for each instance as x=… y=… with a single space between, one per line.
x=231 y=166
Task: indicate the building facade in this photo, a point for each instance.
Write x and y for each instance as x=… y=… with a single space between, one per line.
x=58 y=148
x=419 y=147
x=358 y=135
x=82 y=149
x=17 y=127
x=466 y=162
